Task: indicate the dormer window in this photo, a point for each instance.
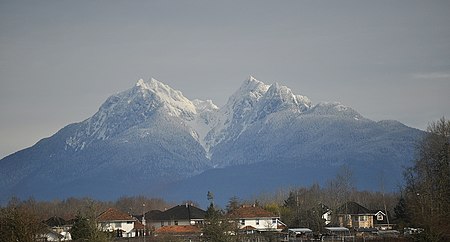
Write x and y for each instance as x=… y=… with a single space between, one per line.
x=380 y=217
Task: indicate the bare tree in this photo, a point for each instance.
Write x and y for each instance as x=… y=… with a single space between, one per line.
x=427 y=192
x=19 y=222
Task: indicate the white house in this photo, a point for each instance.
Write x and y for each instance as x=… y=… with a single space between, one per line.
x=122 y=224
x=54 y=236
x=255 y=219
x=58 y=229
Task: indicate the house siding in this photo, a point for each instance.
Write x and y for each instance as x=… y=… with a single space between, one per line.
x=259 y=223
x=112 y=226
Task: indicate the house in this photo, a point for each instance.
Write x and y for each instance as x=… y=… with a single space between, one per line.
x=120 y=223
x=180 y=215
x=256 y=219
x=381 y=220
x=326 y=213
x=353 y=215
x=58 y=229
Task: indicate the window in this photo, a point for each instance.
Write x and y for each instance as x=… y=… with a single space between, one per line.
x=257 y=221
x=380 y=217
x=274 y=220
x=162 y=223
x=242 y=221
x=169 y=223
x=362 y=218
x=129 y=222
x=176 y=222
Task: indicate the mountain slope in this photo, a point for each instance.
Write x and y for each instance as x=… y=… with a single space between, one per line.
x=151 y=139
x=139 y=136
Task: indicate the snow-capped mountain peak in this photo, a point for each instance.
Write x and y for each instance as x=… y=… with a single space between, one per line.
x=335 y=109
x=252 y=85
x=254 y=101
x=285 y=95
x=152 y=135
x=174 y=100
x=129 y=108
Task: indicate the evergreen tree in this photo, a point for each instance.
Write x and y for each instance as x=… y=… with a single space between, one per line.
x=233 y=204
x=85 y=229
x=217 y=228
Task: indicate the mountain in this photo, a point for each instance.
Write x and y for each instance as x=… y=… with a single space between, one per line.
x=152 y=140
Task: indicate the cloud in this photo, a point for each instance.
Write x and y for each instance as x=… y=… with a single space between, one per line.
x=432 y=75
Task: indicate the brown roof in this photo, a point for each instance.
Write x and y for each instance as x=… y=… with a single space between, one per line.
x=179 y=229
x=138 y=225
x=248 y=228
x=113 y=214
x=251 y=212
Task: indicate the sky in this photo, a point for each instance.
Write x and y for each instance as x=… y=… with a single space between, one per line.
x=60 y=60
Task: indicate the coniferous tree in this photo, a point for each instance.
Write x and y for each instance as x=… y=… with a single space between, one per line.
x=233 y=204
x=85 y=228
x=217 y=228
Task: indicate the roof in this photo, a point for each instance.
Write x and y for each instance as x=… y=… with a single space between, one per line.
x=150 y=215
x=179 y=212
x=179 y=229
x=112 y=214
x=352 y=208
x=55 y=222
x=300 y=230
x=248 y=228
x=337 y=229
x=138 y=225
x=251 y=212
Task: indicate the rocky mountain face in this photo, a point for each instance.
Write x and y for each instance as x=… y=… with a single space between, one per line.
x=152 y=140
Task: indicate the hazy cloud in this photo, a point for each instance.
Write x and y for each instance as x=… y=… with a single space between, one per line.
x=433 y=76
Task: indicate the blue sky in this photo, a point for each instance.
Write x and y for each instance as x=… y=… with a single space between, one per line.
x=59 y=60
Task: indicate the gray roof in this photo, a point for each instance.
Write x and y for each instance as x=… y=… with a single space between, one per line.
x=179 y=212
x=352 y=208
x=337 y=229
x=300 y=230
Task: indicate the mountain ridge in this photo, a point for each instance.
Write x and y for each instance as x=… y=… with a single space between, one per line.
x=152 y=134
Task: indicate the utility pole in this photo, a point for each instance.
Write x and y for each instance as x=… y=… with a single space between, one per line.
x=143 y=221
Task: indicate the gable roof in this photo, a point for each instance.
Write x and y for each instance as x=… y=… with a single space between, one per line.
x=352 y=208
x=150 y=215
x=55 y=222
x=112 y=214
x=251 y=212
x=179 y=212
x=138 y=225
x=248 y=228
